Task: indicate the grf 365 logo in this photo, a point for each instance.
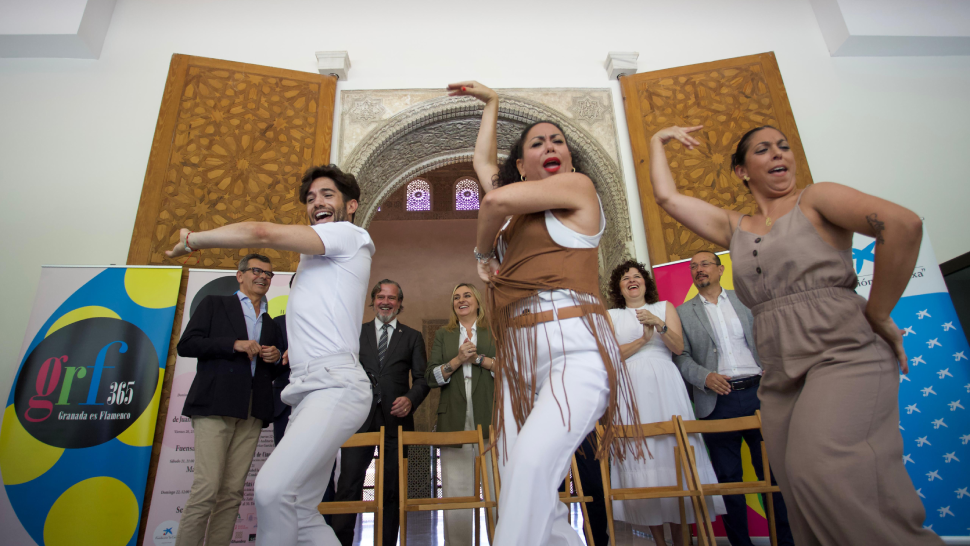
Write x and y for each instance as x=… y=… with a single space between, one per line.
x=86 y=383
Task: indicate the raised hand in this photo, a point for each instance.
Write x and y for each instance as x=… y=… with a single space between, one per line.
x=647 y=332
x=647 y=318
x=682 y=134
x=471 y=89
x=467 y=352
x=180 y=248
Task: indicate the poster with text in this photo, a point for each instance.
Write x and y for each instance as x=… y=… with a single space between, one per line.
x=173 y=478
x=77 y=429
x=933 y=397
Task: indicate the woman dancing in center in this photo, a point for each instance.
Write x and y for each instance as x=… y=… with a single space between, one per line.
x=559 y=367
x=830 y=390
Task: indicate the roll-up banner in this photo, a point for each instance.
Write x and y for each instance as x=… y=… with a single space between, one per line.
x=173 y=478
x=77 y=429
x=933 y=397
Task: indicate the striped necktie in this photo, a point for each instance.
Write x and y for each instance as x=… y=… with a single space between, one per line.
x=382 y=345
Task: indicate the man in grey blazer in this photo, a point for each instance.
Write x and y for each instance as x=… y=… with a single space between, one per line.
x=720 y=361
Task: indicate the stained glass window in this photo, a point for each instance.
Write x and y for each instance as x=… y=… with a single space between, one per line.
x=419 y=195
x=466 y=194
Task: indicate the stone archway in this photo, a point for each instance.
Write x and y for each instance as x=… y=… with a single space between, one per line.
x=443 y=130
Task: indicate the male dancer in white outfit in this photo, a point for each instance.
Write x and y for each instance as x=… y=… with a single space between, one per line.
x=329 y=391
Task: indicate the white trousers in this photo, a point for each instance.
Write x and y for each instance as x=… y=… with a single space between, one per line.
x=331 y=398
x=569 y=366
x=458 y=480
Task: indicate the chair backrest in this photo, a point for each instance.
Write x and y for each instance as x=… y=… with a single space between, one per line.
x=647 y=430
x=364 y=439
x=722 y=425
x=457 y=438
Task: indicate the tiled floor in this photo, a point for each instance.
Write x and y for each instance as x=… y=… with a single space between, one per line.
x=427 y=529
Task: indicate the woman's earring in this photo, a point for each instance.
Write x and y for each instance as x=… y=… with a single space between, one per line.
x=574 y=169
x=746 y=179
x=522 y=177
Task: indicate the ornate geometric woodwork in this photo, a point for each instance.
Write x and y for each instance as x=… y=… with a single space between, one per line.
x=231 y=144
x=728 y=98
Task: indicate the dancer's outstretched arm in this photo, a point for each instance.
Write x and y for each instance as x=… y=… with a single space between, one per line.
x=710 y=222
x=485 y=160
x=302 y=239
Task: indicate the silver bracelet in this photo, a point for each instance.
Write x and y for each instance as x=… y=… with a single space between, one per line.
x=484 y=258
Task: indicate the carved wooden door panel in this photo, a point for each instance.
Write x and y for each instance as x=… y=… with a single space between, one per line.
x=728 y=98
x=231 y=144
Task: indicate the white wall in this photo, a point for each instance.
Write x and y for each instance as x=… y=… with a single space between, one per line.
x=77 y=133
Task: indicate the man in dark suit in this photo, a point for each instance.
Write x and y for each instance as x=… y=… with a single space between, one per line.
x=390 y=352
x=230 y=400
x=721 y=362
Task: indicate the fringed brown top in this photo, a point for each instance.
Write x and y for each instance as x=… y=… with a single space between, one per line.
x=531 y=263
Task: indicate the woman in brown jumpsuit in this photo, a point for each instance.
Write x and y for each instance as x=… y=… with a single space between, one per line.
x=829 y=394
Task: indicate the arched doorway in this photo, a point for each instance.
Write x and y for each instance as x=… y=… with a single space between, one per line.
x=442 y=131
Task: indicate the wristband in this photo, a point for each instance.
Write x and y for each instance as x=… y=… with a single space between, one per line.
x=482 y=258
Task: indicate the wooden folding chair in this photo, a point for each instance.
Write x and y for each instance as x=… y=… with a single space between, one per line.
x=686 y=486
x=736 y=488
x=376 y=506
x=445 y=439
x=572 y=477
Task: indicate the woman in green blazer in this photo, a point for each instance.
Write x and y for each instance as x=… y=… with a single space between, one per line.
x=462 y=359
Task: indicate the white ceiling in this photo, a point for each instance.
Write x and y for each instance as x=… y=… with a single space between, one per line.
x=880 y=28
x=77 y=28
x=54 y=28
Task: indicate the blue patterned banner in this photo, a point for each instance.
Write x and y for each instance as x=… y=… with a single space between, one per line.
x=934 y=396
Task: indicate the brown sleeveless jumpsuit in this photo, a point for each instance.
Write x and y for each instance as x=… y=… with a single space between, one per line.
x=829 y=395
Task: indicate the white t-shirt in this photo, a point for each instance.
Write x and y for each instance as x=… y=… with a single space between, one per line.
x=326 y=304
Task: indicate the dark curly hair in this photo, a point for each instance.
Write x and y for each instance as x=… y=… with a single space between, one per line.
x=508 y=172
x=346 y=183
x=649 y=290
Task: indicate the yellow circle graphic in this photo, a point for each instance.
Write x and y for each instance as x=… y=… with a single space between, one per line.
x=153 y=288
x=142 y=431
x=79 y=314
x=23 y=457
x=277 y=306
x=99 y=511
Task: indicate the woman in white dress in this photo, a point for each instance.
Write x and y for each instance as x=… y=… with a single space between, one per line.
x=649 y=332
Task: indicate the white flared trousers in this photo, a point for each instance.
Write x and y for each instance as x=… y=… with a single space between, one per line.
x=569 y=368
x=331 y=398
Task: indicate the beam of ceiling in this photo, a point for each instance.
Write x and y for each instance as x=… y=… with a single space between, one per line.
x=72 y=29
x=883 y=28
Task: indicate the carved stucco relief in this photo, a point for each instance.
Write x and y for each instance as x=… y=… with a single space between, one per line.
x=421 y=130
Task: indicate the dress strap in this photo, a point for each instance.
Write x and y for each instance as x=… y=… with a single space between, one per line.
x=799 y=200
x=737 y=227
